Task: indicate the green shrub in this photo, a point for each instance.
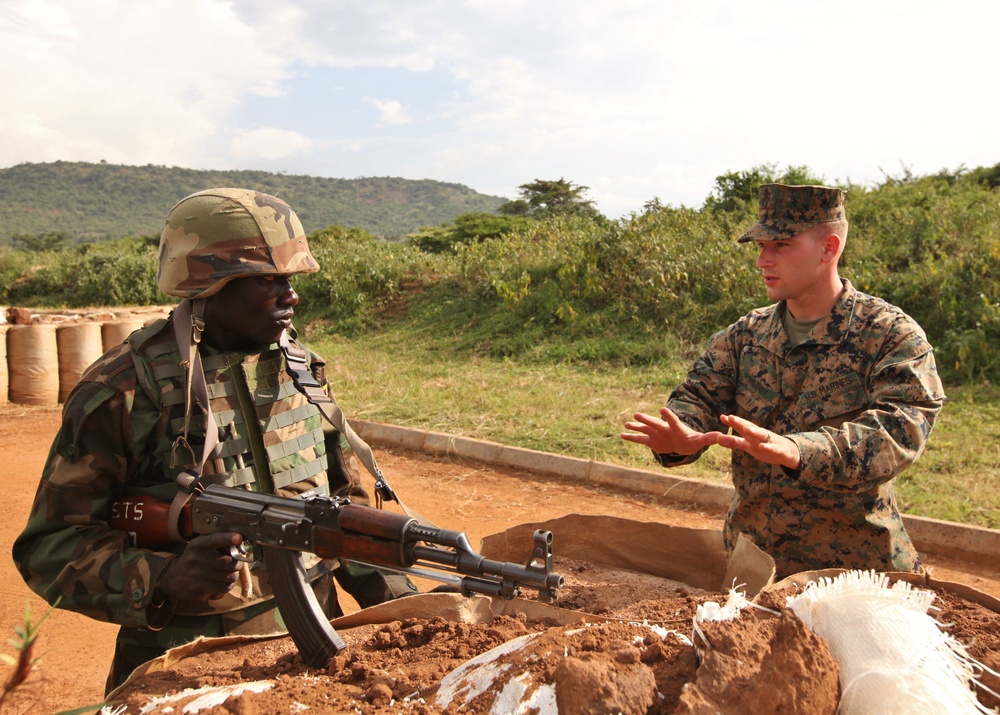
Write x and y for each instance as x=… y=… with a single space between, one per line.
x=581 y=287
x=359 y=277
x=932 y=247
x=111 y=273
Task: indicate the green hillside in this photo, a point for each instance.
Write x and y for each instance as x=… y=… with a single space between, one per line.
x=93 y=202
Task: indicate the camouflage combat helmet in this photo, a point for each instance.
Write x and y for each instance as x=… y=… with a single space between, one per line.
x=787 y=211
x=213 y=236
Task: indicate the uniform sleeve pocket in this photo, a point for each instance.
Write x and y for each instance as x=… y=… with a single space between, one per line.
x=87 y=398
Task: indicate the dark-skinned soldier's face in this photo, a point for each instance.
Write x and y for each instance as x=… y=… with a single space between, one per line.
x=250 y=312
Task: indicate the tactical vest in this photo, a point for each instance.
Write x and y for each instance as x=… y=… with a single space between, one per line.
x=270 y=436
x=263 y=421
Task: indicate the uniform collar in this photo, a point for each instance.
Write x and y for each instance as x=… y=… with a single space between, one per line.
x=830 y=330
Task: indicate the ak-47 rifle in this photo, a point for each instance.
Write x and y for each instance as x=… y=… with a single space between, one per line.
x=329 y=527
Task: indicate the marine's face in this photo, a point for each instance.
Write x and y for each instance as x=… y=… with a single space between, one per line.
x=791 y=268
x=249 y=312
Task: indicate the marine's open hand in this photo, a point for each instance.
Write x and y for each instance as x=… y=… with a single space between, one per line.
x=759 y=443
x=665 y=435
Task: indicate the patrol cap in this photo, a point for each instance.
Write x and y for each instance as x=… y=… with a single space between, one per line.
x=787 y=211
x=213 y=236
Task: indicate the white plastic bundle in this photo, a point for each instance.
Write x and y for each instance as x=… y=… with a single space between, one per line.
x=486 y=671
x=893 y=657
x=711 y=611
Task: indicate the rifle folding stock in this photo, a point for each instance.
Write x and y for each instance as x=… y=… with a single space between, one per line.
x=335 y=528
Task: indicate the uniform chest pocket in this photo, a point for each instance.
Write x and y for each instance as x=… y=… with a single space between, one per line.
x=833 y=400
x=757 y=392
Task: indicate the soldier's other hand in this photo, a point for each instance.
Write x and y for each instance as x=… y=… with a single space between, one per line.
x=205 y=569
x=666 y=434
x=759 y=443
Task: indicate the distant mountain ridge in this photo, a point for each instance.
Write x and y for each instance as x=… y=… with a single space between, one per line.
x=93 y=202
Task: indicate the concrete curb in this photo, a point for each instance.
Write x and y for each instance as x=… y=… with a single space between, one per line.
x=932 y=536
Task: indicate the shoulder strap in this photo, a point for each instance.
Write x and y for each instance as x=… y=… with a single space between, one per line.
x=188 y=327
x=297 y=361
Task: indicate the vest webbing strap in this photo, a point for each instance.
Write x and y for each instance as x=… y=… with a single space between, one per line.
x=188 y=326
x=298 y=367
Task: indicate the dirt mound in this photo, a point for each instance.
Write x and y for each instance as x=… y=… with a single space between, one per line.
x=763 y=662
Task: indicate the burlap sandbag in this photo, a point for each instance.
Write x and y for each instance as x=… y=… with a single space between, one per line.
x=33 y=364
x=696 y=557
x=115 y=332
x=4 y=379
x=892 y=652
x=79 y=344
x=921 y=580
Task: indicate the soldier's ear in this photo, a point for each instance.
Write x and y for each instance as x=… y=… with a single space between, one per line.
x=831 y=244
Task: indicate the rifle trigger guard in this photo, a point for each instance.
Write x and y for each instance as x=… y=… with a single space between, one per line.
x=241 y=553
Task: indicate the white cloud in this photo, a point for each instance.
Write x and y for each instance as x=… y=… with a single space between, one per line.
x=662 y=97
x=390 y=111
x=125 y=82
x=635 y=99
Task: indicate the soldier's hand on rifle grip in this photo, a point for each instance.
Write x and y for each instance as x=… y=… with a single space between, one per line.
x=204 y=571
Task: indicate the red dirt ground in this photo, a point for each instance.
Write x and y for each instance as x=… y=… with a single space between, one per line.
x=75 y=651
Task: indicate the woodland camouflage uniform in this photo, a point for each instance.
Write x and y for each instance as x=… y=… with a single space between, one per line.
x=119 y=436
x=858 y=397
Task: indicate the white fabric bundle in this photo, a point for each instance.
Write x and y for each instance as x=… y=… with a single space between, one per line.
x=893 y=657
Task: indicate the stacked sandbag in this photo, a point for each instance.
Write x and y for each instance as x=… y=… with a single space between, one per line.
x=33 y=364
x=79 y=345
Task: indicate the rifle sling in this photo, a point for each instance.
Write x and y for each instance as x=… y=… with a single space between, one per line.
x=297 y=361
x=188 y=326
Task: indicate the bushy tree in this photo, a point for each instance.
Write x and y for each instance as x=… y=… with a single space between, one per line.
x=544 y=198
x=736 y=190
x=340 y=235
x=49 y=241
x=988 y=176
x=467 y=228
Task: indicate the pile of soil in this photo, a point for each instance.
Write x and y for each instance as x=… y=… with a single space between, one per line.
x=765 y=661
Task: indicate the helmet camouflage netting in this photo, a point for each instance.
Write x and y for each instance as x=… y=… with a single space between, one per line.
x=213 y=236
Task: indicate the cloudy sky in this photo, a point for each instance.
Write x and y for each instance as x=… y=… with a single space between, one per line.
x=633 y=98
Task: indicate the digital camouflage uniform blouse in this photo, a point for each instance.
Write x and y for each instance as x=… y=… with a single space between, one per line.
x=859 y=397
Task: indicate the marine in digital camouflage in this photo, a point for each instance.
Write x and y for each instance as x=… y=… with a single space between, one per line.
x=214 y=236
x=858 y=396
x=786 y=211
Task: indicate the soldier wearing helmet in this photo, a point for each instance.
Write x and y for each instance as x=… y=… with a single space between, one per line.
x=828 y=393
x=135 y=424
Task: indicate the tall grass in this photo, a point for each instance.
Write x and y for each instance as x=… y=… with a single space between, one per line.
x=403 y=375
